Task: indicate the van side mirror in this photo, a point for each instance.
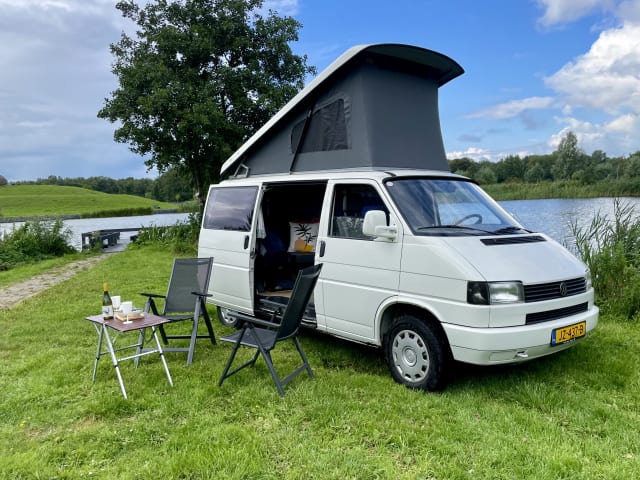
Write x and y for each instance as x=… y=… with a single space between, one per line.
x=375 y=225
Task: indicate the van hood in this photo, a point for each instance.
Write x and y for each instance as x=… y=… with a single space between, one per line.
x=532 y=258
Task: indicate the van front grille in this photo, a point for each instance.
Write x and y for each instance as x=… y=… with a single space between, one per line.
x=549 y=315
x=548 y=291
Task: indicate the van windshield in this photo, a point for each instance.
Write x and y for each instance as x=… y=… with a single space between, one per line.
x=449 y=207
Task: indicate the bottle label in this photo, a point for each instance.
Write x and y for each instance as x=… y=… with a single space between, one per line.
x=107 y=311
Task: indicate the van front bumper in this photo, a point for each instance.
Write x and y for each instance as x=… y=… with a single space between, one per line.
x=491 y=346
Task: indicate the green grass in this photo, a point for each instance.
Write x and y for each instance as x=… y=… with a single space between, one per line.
x=574 y=415
x=27 y=270
x=55 y=200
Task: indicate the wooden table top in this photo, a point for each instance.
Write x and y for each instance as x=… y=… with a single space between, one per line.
x=149 y=320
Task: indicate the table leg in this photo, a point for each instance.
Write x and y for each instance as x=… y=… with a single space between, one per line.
x=99 y=330
x=139 y=347
x=115 y=361
x=164 y=362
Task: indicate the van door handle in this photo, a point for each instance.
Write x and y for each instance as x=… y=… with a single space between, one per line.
x=246 y=242
x=322 y=245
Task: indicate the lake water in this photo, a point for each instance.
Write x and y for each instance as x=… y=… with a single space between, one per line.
x=83 y=225
x=551 y=216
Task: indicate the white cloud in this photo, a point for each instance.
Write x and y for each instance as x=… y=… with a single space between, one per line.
x=618 y=136
x=627 y=124
x=606 y=77
x=513 y=108
x=563 y=11
x=471 y=152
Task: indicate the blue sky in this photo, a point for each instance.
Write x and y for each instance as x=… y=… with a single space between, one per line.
x=534 y=69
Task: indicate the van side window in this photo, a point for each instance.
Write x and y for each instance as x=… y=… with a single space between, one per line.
x=230 y=208
x=350 y=203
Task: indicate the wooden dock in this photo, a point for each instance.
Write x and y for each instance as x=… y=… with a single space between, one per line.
x=107 y=238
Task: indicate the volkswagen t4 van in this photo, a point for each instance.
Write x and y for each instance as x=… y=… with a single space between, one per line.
x=352 y=173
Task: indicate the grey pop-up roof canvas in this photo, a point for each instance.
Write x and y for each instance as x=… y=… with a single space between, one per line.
x=375 y=107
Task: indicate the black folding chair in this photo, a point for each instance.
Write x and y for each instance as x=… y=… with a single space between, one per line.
x=185 y=300
x=265 y=335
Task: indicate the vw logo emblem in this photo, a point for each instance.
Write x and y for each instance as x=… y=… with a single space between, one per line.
x=563 y=289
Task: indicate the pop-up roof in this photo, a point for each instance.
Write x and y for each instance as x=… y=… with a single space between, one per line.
x=376 y=107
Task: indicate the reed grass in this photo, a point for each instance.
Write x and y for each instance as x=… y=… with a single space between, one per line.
x=563 y=189
x=610 y=246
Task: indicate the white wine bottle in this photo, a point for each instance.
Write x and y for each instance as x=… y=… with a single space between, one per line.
x=107 y=304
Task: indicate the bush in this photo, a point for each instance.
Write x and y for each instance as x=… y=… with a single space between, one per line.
x=611 y=250
x=181 y=239
x=34 y=241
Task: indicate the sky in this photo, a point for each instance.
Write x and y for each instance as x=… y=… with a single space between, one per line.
x=534 y=70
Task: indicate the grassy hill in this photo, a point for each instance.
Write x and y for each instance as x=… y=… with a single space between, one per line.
x=55 y=200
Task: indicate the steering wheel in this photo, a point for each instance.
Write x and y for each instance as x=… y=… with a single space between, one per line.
x=477 y=216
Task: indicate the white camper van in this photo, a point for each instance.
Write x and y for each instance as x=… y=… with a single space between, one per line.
x=419 y=261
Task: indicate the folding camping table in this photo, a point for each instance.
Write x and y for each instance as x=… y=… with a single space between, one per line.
x=103 y=328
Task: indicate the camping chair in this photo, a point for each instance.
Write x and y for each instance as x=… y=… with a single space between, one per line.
x=264 y=335
x=185 y=300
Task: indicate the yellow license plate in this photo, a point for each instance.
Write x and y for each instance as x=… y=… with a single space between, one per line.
x=568 y=333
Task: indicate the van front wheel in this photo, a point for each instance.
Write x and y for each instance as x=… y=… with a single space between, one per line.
x=417 y=354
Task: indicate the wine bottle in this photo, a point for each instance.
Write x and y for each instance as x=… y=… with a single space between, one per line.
x=107 y=304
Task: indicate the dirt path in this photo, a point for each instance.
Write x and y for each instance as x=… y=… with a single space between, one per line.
x=16 y=293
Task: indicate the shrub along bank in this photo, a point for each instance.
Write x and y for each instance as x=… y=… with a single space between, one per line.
x=34 y=241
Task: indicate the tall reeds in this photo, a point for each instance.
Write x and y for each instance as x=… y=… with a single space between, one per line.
x=610 y=246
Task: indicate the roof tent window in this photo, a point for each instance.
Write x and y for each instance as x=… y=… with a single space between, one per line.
x=326 y=129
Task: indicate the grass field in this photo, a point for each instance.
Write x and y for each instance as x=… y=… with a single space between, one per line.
x=55 y=200
x=574 y=415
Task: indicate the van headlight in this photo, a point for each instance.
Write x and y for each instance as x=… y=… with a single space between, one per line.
x=489 y=293
x=587 y=278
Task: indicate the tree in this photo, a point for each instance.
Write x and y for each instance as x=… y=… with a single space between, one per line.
x=198 y=78
x=485 y=175
x=568 y=157
x=534 y=174
x=464 y=166
x=3 y=181
x=172 y=186
x=511 y=168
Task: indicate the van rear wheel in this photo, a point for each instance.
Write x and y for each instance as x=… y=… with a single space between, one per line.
x=417 y=354
x=225 y=319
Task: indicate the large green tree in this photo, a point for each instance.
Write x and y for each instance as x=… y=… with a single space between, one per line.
x=569 y=158
x=198 y=78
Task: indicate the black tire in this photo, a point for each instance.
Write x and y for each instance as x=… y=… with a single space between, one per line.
x=417 y=354
x=223 y=317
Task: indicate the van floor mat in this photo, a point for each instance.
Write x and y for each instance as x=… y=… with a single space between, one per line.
x=277 y=293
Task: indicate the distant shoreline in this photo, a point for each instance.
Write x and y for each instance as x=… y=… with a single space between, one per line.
x=75 y=216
